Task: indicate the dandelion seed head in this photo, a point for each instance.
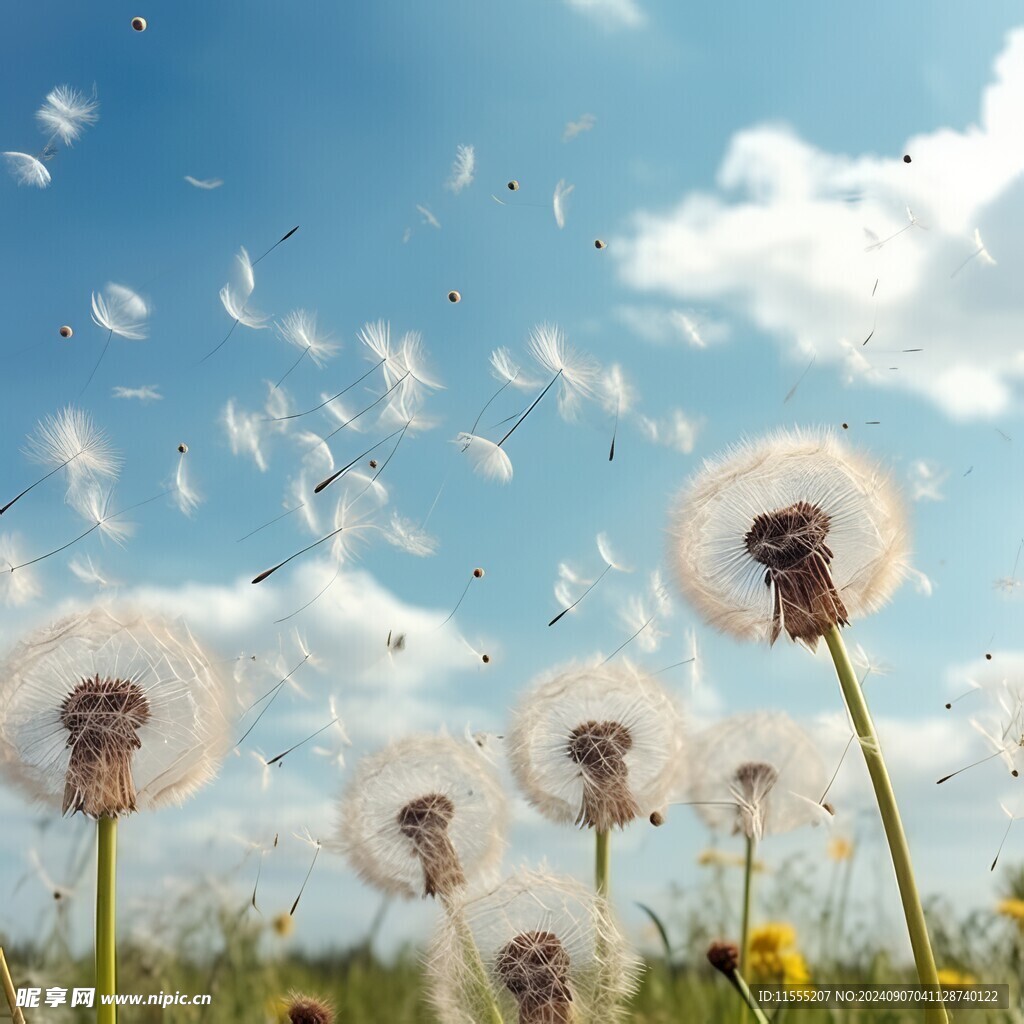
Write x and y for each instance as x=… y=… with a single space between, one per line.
x=596 y=745
x=106 y=711
x=307 y=1010
x=756 y=775
x=793 y=532
x=549 y=947
x=423 y=816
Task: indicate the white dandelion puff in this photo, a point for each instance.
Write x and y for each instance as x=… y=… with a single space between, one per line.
x=405 y=534
x=550 y=952
x=576 y=373
x=121 y=311
x=87 y=571
x=596 y=745
x=424 y=816
x=26 y=169
x=106 y=712
x=245 y=433
x=791 y=533
x=66 y=113
x=463 y=169
x=755 y=775
x=299 y=328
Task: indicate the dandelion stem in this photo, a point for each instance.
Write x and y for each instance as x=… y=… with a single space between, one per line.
x=745 y=994
x=886 y=798
x=476 y=965
x=602 y=863
x=12 y=997
x=748 y=875
x=106 y=943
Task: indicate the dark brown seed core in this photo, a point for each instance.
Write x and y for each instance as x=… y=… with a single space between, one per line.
x=534 y=967
x=724 y=957
x=600 y=749
x=304 y=1010
x=102 y=717
x=425 y=822
x=790 y=543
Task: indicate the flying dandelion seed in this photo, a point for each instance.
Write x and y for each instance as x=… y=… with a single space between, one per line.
x=70 y=441
x=139 y=24
x=617 y=396
x=16 y=589
x=476 y=574
x=316 y=844
x=599 y=244
x=300 y=329
x=876 y=244
x=66 y=331
x=66 y=113
x=424 y=816
x=27 y=169
x=559 y=200
x=207 y=184
x=513 y=185
x=186 y=497
x=906 y=158
x=271 y=695
x=118 y=311
x=643 y=615
x=454 y=296
x=610 y=562
x=1013 y=817
x=980 y=252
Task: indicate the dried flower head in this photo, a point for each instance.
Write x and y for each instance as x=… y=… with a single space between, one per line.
x=308 y=1010
x=424 y=816
x=106 y=713
x=724 y=957
x=793 y=532
x=596 y=745
x=758 y=774
x=549 y=948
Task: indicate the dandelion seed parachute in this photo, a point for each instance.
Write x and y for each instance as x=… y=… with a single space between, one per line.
x=16 y=588
x=27 y=170
x=793 y=532
x=558 y=202
x=111 y=711
x=463 y=169
x=596 y=745
x=424 y=816
x=549 y=948
x=487 y=458
x=66 y=113
x=766 y=766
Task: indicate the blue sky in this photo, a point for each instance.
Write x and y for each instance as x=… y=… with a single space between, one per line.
x=343 y=121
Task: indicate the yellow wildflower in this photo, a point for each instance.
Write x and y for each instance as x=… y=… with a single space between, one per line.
x=720 y=858
x=774 y=957
x=840 y=848
x=949 y=976
x=1013 y=909
x=283 y=925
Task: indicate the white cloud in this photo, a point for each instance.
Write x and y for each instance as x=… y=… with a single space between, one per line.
x=926 y=480
x=611 y=13
x=782 y=242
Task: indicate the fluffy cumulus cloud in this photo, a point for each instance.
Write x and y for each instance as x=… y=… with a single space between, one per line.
x=817 y=249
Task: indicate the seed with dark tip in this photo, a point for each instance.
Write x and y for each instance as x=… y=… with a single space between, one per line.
x=66 y=331
x=139 y=24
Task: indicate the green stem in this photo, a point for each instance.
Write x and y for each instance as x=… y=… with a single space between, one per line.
x=741 y=986
x=748 y=875
x=485 y=993
x=887 y=808
x=106 y=943
x=8 y=985
x=601 y=863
